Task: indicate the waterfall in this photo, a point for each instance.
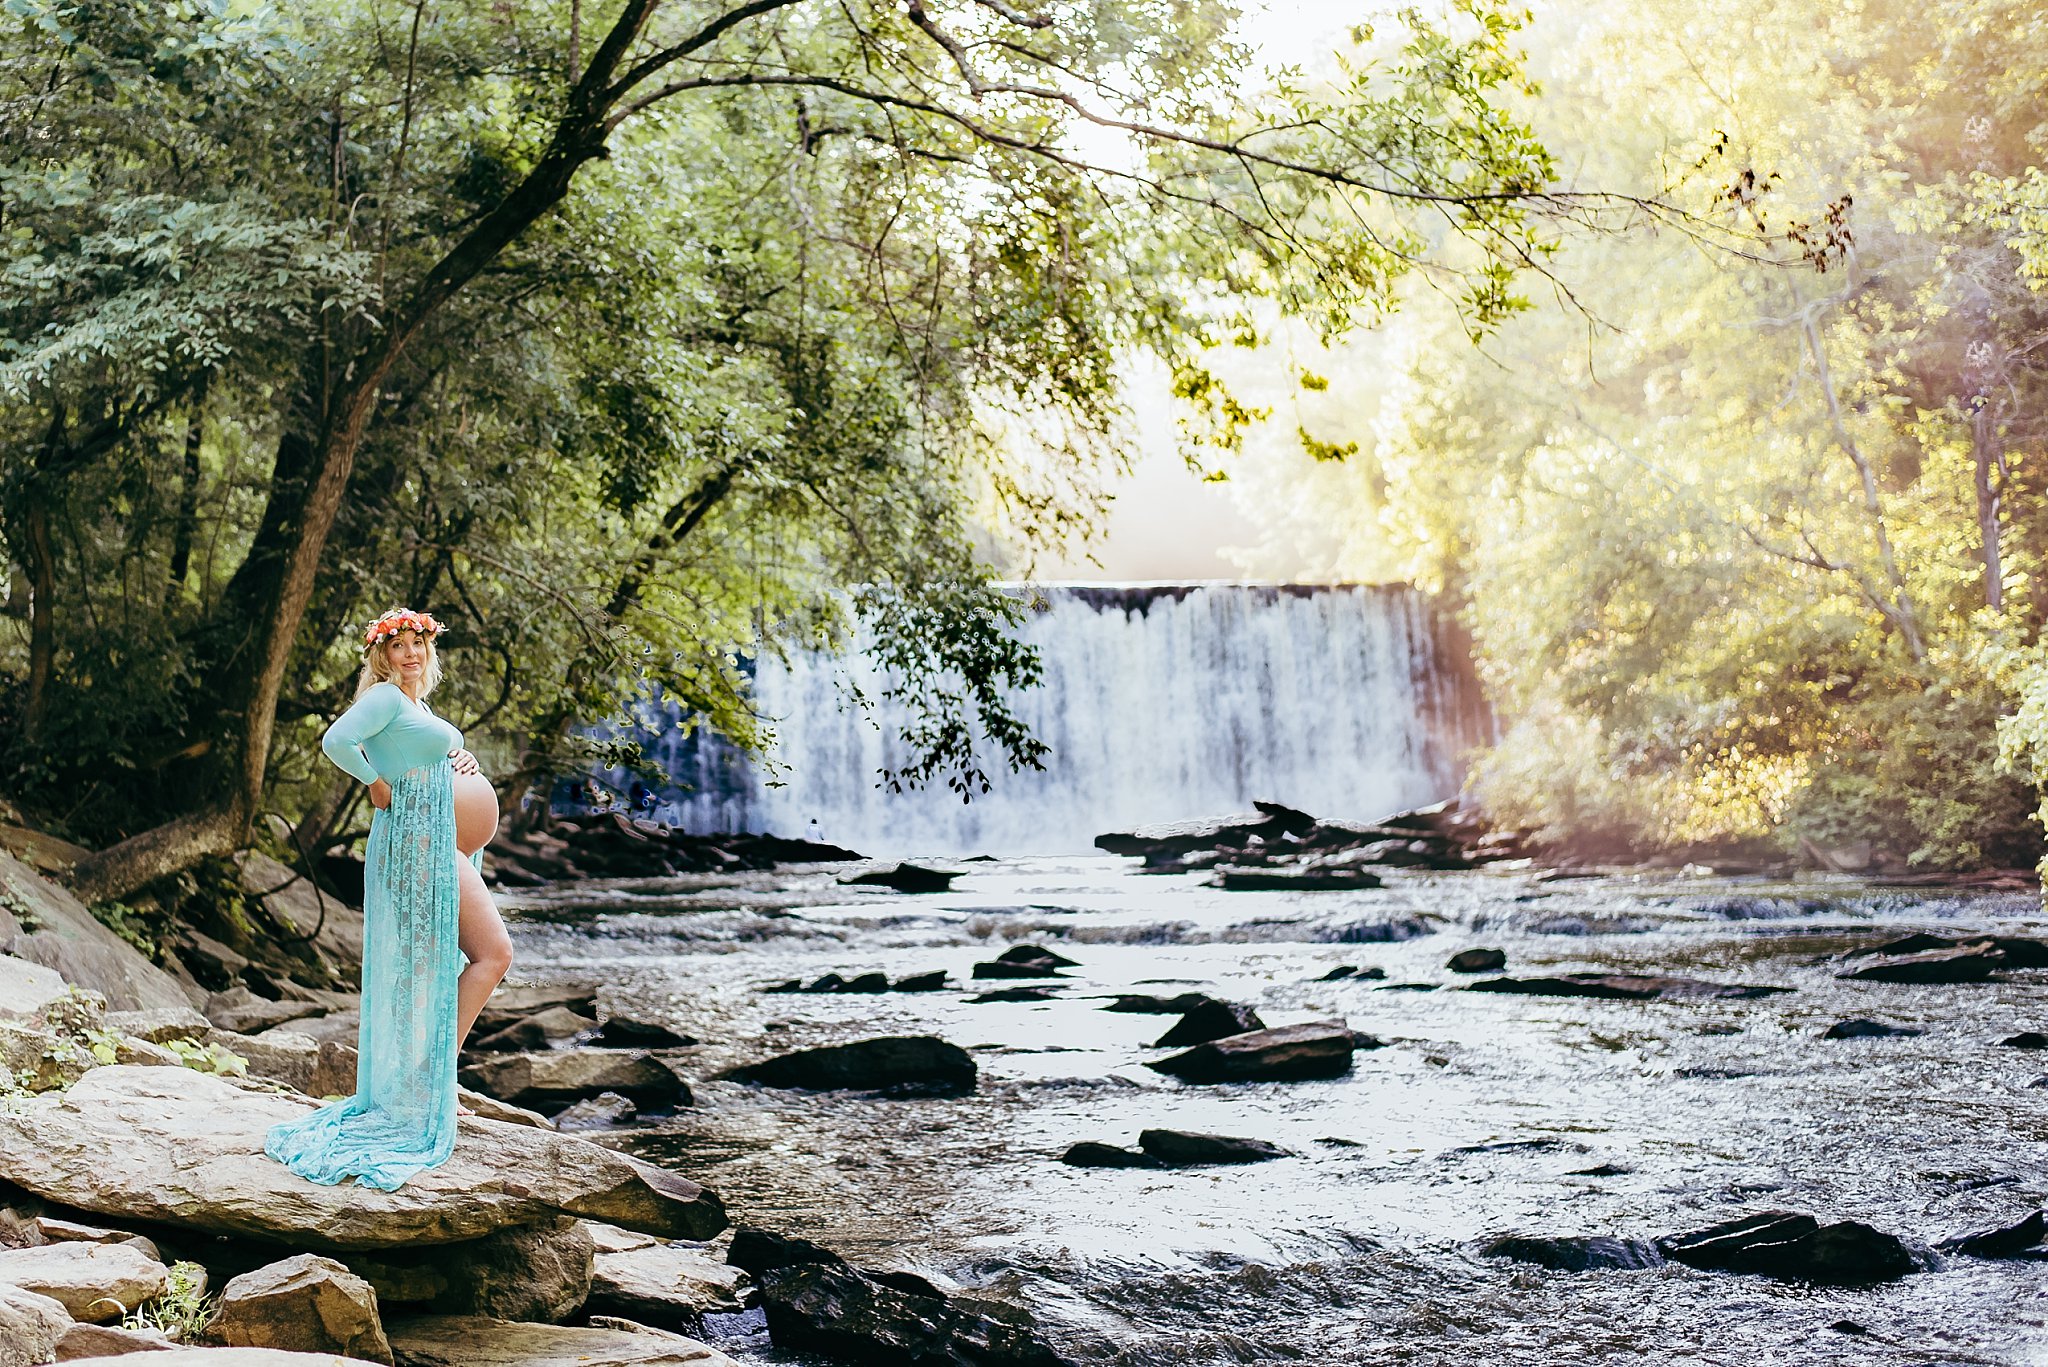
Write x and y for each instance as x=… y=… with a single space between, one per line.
x=1159 y=702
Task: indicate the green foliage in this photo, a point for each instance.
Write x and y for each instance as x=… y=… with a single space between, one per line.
x=184 y=1311
x=209 y=1058
x=139 y=926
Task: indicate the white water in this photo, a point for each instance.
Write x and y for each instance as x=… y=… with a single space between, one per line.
x=1159 y=703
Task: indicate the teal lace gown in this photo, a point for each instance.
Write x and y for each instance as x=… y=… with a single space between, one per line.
x=401 y=1119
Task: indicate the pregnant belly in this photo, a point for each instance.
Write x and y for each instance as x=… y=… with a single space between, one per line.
x=476 y=812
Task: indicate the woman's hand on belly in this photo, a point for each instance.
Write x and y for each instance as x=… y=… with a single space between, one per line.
x=465 y=762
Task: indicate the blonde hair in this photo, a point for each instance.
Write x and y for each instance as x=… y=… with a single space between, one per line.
x=377 y=668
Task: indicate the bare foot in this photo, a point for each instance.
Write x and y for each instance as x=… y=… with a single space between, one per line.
x=461 y=1109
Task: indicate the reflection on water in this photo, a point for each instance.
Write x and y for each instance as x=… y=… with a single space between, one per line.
x=1487 y=1113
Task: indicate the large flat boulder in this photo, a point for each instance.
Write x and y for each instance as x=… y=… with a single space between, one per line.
x=227 y=1357
x=475 y=1341
x=97 y=1283
x=186 y=1148
x=43 y=923
x=1290 y=1053
x=670 y=1286
x=84 y=1342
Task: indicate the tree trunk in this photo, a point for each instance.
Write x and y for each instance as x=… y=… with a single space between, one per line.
x=1984 y=448
x=42 y=621
x=188 y=497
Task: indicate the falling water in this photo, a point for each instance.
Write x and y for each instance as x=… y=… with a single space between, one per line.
x=1158 y=702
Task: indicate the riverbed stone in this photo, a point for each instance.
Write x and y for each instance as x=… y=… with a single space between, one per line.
x=1185 y=1148
x=553 y=1080
x=477 y=1341
x=1300 y=878
x=541 y=1030
x=181 y=1147
x=1149 y=1004
x=2026 y=1039
x=630 y=1032
x=1858 y=1028
x=1171 y=839
x=537 y=1272
x=1970 y=962
x=31 y=1324
x=1478 y=961
x=1024 y=961
x=1091 y=1153
x=913 y=878
x=510 y=1005
x=2004 y=1241
x=97 y=1283
x=304 y=1304
x=669 y=1286
x=1575 y=1252
x=1315 y=1049
x=1626 y=987
x=1211 y=1020
x=887 y=1061
x=600 y=1112
x=835 y=1310
x=1791 y=1246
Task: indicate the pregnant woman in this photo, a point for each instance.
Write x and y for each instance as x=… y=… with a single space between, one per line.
x=425 y=907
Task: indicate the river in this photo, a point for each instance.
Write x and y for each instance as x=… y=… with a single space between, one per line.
x=1484 y=1114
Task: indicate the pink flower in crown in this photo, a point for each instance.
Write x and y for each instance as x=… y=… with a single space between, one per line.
x=397 y=620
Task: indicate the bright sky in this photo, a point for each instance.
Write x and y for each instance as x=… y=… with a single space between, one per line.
x=1166 y=523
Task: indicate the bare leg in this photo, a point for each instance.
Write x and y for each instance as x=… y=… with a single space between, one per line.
x=484 y=943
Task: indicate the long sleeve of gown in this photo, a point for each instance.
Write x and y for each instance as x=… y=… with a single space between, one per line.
x=370 y=714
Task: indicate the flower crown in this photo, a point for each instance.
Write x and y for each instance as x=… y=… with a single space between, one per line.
x=397 y=620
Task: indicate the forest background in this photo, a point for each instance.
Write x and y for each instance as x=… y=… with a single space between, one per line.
x=638 y=340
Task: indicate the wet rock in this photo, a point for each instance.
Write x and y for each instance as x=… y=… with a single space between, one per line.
x=1313 y=1050
x=31 y=1325
x=304 y=1304
x=1859 y=1028
x=1212 y=1020
x=1576 y=1252
x=1407 y=987
x=1344 y=971
x=478 y=1341
x=555 y=1080
x=1625 y=987
x=490 y=1108
x=597 y=1113
x=542 y=1030
x=755 y=1250
x=1973 y=962
x=665 y=1285
x=835 y=1310
x=97 y=1283
x=510 y=1005
x=1478 y=961
x=1917 y=943
x=1170 y=840
x=180 y=1147
x=1795 y=1247
x=1024 y=961
x=90 y=1342
x=2005 y=1241
x=1233 y=878
x=1146 y=1004
x=1018 y=994
x=1091 y=1154
x=627 y=1032
x=934 y=981
x=905 y=878
x=866 y=982
x=2026 y=1039
x=870 y=1064
x=1183 y=1148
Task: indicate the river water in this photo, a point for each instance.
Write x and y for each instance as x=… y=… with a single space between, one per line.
x=1483 y=1115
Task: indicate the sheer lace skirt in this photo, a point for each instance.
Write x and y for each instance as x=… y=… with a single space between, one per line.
x=401 y=1119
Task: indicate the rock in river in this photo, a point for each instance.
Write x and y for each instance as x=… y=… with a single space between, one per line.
x=1478 y=961
x=1024 y=961
x=1090 y=1153
x=890 y=1061
x=1183 y=1148
x=541 y=1030
x=182 y=1147
x=1859 y=1028
x=1795 y=1247
x=1211 y=1020
x=1575 y=1252
x=2026 y=1039
x=665 y=1285
x=1311 y=1050
x=1972 y=962
x=1342 y=878
x=2007 y=1241
x=1624 y=987
x=552 y=1080
x=838 y=1311
x=905 y=878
